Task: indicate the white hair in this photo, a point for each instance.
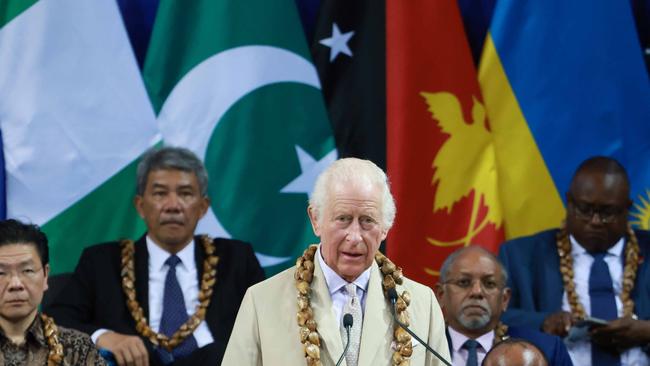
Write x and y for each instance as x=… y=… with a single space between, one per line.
x=353 y=170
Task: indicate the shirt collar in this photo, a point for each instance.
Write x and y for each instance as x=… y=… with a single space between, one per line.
x=577 y=249
x=336 y=282
x=158 y=256
x=458 y=339
x=34 y=333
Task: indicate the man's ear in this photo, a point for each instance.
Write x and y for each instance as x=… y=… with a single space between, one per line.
x=46 y=270
x=137 y=203
x=313 y=218
x=205 y=204
x=505 y=299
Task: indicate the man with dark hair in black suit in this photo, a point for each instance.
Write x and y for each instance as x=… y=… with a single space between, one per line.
x=171 y=297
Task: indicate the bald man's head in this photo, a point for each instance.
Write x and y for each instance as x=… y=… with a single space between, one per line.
x=515 y=352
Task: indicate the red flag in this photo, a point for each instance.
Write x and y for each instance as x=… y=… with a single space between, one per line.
x=440 y=153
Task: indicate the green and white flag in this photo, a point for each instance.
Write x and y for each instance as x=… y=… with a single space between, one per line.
x=233 y=82
x=74 y=115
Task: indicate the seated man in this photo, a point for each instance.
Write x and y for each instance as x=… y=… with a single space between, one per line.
x=170 y=297
x=27 y=337
x=345 y=277
x=591 y=267
x=515 y=352
x=473 y=294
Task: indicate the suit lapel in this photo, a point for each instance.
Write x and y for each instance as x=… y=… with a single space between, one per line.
x=199 y=257
x=377 y=320
x=328 y=327
x=142 y=275
x=550 y=297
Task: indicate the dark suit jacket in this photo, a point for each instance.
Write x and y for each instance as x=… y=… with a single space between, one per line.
x=94 y=299
x=534 y=276
x=552 y=346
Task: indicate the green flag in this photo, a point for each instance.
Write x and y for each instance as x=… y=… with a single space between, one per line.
x=75 y=116
x=233 y=82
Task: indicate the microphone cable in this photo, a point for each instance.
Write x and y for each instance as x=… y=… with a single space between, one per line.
x=392 y=295
x=347 y=324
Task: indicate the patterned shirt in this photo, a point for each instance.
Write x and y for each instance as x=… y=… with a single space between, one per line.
x=78 y=349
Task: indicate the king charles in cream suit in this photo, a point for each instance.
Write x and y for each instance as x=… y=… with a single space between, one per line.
x=351 y=210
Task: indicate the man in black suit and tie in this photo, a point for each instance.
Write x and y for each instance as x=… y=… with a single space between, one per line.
x=170 y=297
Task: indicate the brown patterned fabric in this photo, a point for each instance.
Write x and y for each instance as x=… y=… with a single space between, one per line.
x=78 y=349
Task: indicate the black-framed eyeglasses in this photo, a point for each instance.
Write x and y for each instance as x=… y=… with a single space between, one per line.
x=488 y=284
x=606 y=214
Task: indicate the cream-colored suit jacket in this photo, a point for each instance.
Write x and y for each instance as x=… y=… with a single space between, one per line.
x=266 y=329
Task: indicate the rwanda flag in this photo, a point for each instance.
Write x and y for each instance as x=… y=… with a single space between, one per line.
x=563 y=81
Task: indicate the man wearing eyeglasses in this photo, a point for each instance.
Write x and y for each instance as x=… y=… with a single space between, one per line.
x=592 y=267
x=472 y=293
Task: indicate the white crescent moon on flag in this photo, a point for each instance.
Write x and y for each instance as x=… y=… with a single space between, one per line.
x=202 y=97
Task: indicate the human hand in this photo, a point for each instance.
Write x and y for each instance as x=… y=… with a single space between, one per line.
x=621 y=334
x=128 y=350
x=558 y=323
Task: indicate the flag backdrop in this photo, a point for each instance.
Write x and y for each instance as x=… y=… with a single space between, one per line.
x=3 y=191
x=74 y=116
x=233 y=82
x=348 y=48
x=440 y=152
x=562 y=82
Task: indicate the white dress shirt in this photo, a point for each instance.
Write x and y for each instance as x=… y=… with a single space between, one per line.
x=459 y=354
x=186 y=273
x=580 y=351
x=336 y=286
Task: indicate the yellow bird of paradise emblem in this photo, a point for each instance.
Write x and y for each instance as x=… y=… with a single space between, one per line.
x=465 y=162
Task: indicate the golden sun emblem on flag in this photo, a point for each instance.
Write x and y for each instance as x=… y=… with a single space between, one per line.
x=466 y=162
x=642 y=212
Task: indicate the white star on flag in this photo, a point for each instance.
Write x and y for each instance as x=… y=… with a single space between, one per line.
x=304 y=183
x=338 y=42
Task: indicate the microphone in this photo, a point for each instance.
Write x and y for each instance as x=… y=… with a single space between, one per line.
x=347 y=324
x=392 y=296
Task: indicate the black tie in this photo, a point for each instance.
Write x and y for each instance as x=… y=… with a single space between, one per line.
x=472 y=357
x=174 y=314
x=603 y=305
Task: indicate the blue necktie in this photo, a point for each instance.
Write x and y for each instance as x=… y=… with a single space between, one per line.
x=174 y=314
x=472 y=357
x=603 y=305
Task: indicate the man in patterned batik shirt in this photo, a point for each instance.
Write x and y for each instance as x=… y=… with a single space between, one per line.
x=28 y=337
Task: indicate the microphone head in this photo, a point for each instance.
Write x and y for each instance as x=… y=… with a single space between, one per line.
x=392 y=294
x=347 y=320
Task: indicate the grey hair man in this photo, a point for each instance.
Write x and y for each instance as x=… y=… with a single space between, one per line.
x=351 y=211
x=169 y=284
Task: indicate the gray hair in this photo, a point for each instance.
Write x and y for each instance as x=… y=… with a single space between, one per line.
x=446 y=265
x=171 y=158
x=353 y=170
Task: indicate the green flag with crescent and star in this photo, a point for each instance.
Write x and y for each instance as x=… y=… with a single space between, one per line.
x=233 y=82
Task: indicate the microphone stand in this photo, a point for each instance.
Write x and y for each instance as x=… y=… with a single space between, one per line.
x=392 y=295
x=347 y=323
